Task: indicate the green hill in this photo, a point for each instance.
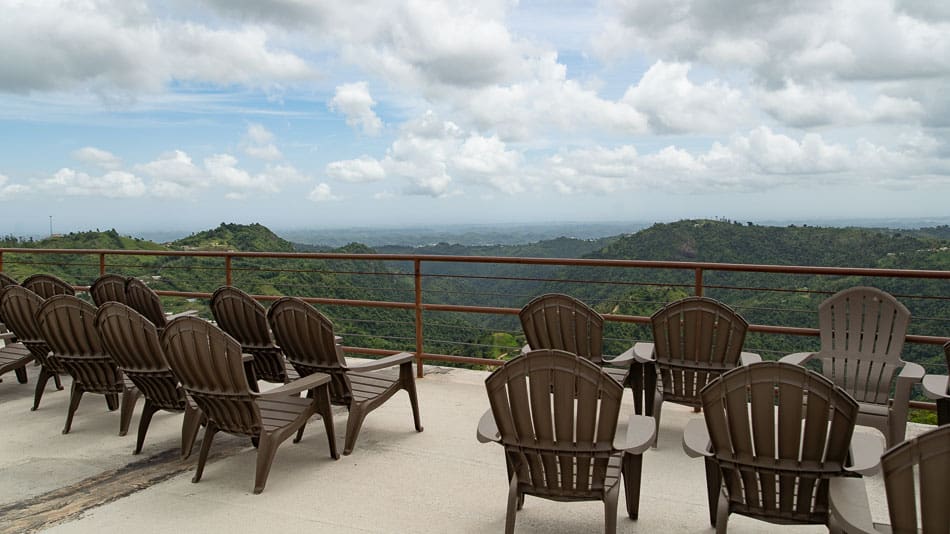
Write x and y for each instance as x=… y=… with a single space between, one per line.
x=235 y=237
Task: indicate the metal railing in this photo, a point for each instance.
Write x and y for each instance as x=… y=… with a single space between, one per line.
x=418 y=305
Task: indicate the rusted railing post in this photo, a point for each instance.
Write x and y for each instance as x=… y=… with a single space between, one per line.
x=227 y=270
x=699 y=282
x=417 y=264
x=1 y=261
x=102 y=264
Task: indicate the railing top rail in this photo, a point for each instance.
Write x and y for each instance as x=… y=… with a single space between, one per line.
x=585 y=262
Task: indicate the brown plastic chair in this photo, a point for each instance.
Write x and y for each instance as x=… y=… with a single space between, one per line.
x=47 y=285
x=18 y=307
x=937 y=387
x=210 y=366
x=556 y=414
x=108 y=288
x=307 y=339
x=13 y=355
x=146 y=301
x=776 y=436
x=133 y=343
x=695 y=340
x=245 y=319
x=862 y=335
x=67 y=323
x=907 y=492
x=561 y=322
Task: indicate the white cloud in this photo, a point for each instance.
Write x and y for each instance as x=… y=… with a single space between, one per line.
x=9 y=191
x=223 y=169
x=113 y=184
x=175 y=166
x=354 y=101
x=823 y=104
x=362 y=169
x=321 y=193
x=98 y=157
x=259 y=143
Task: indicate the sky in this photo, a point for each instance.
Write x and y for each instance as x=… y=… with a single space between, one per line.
x=181 y=114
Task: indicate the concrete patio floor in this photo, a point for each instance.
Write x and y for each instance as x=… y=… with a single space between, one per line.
x=396 y=480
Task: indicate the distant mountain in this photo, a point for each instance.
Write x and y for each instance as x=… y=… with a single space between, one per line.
x=235 y=237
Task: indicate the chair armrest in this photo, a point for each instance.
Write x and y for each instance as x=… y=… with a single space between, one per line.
x=797 y=359
x=487 y=429
x=848 y=503
x=294 y=388
x=7 y=335
x=383 y=363
x=748 y=358
x=696 y=440
x=525 y=349
x=623 y=359
x=935 y=386
x=245 y=357
x=186 y=313
x=637 y=436
x=643 y=352
x=912 y=372
x=866 y=451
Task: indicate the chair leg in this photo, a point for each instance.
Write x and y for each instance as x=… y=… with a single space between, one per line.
x=512 y=505
x=210 y=431
x=57 y=381
x=657 y=408
x=610 y=510
x=409 y=383
x=326 y=413
x=636 y=385
x=632 y=470
x=265 y=457
x=722 y=517
x=75 y=396
x=129 y=398
x=189 y=429
x=300 y=430
x=112 y=401
x=41 y=386
x=21 y=375
x=147 y=412
x=354 y=422
x=713 y=485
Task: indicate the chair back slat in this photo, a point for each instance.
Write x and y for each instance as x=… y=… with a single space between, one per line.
x=928 y=455
x=108 y=288
x=862 y=332
x=245 y=319
x=561 y=322
x=47 y=285
x=210 y=365
x=146 y=301
x=695 y=339
x=778 y=433
x=557 y=414
x=133 y=343
x=68 y=325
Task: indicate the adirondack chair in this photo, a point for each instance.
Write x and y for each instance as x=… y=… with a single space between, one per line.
x=695 y=340
x=561 y=322
x=210 y=365
x=779 y=436
x=47 y=285
x=13 y=355
x=132 y=341
x=67 y=323
x=937 y=387
x=556 y=414
x=929 y=455
x=18 y=307
x=108 y=288
x=307 y=339
x=245 y=319
x=144 y=300
x=862 y=335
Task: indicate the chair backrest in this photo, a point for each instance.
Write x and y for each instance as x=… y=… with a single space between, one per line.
x=210 y=366
x=695 y=339
x=108 y=288
x=557 y=415
x=862 y=335
x=930 y=454
x=18 y=307
x=144 y=300
x=245 y=319
x=133 y=343
x=306 y=337
x=47 y=285
x=5 y=281
x=67 y=323
x=778 y=432
x=561 y=322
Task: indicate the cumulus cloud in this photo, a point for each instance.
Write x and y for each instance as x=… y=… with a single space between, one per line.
x=354 y=101
x=8 y=190
x=321 y=193
x=98 y=157
x=822 y=105
x=362 y=169
x=259 y=143
x=113 y=184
